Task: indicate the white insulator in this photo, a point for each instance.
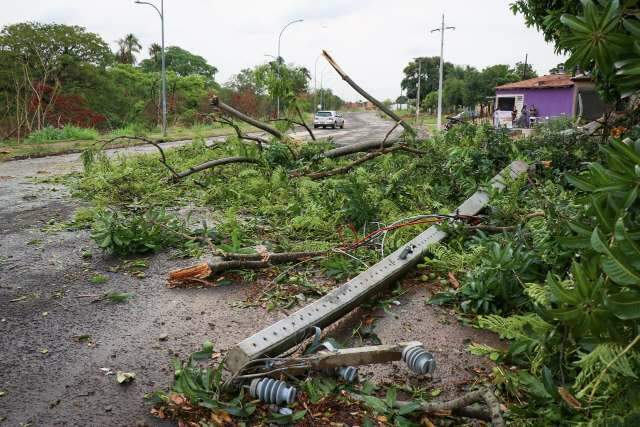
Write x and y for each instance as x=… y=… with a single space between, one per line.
x=272 y=391
x=419 y=360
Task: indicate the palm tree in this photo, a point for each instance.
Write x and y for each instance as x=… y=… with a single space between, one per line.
x=129 y=46
x=155 y=50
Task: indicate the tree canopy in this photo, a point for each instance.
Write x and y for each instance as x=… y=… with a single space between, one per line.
x=180 y=61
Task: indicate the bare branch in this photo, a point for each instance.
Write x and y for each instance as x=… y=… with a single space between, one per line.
x=229 y=122
x=366 y=158
x=354 y=148
x=163 y=158
x=304 y=124
x=459 y=406
x=213 y=164
x=370 y=98
x=203 y=271
x=215 y=101
x=388 y=135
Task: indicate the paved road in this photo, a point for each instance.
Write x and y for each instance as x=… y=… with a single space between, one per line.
x=358 y=127
x=51 y=378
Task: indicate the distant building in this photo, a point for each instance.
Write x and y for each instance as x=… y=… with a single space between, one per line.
x=555 y=95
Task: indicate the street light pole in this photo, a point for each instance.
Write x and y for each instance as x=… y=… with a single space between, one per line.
x=164 y=69
x=315 y=86
x=322 y=88
x=418 y=94
x=278 y=71
x=442 y=30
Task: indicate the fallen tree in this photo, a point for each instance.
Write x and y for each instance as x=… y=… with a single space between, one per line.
x=227 y=109
x=366 y=95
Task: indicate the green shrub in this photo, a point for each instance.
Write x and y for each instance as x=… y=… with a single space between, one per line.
x=128 y=233
x=66 y=133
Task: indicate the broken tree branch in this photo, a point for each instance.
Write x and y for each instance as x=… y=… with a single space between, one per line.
x=370 y=98
x=498 y=229
x=163 y=158
x=215 y=101
x=239 y=133
x=212 y=164
x=304 y=124
x=234 y=261
x=358 y=147
x=348 y=167
x=459 y=406
x=388 y=135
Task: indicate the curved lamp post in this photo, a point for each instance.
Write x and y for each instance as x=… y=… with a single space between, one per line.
x=164 y=70
x=279 y=59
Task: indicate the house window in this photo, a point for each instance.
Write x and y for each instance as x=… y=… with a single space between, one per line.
x=506 y=103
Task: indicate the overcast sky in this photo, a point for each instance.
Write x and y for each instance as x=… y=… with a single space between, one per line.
x=371 y=39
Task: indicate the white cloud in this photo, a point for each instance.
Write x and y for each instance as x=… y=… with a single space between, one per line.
x=372 y=39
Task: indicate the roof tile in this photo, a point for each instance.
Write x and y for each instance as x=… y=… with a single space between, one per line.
x=542 y=82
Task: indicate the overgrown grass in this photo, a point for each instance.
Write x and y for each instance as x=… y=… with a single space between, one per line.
x=66 y=133
x=14 y=149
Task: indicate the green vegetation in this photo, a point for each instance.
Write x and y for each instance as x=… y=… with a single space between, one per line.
x=66 y=133
x=515 y=283
x=83 y=89
x=463 y=86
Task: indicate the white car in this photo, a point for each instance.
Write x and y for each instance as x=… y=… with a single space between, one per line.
x=332 y=119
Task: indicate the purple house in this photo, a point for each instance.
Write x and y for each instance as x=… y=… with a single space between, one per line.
x=556 y=95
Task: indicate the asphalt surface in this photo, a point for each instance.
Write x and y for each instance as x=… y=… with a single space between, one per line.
x=57 y=345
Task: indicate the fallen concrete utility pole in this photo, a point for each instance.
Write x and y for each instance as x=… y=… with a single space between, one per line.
x=370 y=98
x=287 y=332
x=215 y=101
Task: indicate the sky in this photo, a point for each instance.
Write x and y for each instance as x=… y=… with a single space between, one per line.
x=372 y=40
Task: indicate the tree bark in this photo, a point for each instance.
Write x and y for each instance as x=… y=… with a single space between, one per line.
x=213 y=164
x=232 y=261
x=370 y=98
x=354 y=148
x=215 y=101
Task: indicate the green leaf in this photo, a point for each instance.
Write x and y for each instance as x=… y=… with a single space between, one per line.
x=633 y=26
x=442 y=298
x=409 y=408
x=390 y=398
x=566 y=314
x=625 y=305
x=563 y=295
x=377 y=404
x=205 y=353
x=597 y=243
x=575 y=23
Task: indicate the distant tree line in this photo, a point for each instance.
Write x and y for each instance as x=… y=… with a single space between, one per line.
x=52 y=75
x=463 y=86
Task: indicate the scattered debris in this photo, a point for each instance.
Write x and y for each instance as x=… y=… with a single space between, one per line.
x=107 y=371
x=125 y=377
x=285 y=333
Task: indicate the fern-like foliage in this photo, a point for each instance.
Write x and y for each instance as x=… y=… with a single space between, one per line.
x=513 y=327
x=445 y=259
x=624 y=366
x=538 y=294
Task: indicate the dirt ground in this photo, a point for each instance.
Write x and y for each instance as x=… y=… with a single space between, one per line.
x=50 y=377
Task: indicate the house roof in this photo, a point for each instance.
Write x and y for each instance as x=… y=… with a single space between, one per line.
x=543 y=82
